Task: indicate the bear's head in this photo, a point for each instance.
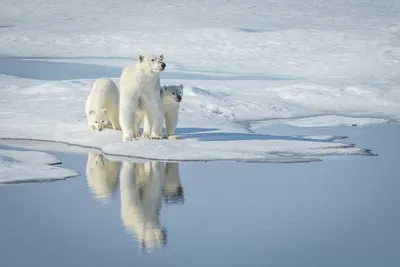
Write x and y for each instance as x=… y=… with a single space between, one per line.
x=151 y=63
x=101 y=175
x=98 y=119
x=152 y=237
x=174 y=196
x=173 y=93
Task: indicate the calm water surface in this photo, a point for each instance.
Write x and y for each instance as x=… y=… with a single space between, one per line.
x=339 y=212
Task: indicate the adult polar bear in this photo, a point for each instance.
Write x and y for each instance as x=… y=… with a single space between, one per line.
x=141 y=187
x=140 y=88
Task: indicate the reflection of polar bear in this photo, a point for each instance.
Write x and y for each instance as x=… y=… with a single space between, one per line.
x=171 y=97
x=173 y=191
x=141 y=190
x=140 y=87
x=102 y=105
x=102 y=174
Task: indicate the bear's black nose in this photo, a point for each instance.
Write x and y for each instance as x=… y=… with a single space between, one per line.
x=179 y=98
x=163 y=65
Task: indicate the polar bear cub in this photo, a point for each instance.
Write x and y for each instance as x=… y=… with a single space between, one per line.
x=140 y=86
x=102 y=174
x=171 y=97
x=173 y=190
x=102 y=105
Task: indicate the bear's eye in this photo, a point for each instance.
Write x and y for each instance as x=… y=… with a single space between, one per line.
x=95 y=122
x=153 y=60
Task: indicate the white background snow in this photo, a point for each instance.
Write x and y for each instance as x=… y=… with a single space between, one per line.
x=243 y=64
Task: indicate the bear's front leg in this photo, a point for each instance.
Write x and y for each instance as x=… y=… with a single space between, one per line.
x=157 y=124
x=114 y=119
x=155 y=114
x=127 y=110
x=146 y=127
x=173 y=190
x=171 y=121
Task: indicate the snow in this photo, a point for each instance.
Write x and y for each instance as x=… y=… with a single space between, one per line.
x=30 y=166
x=244 y=64
x=339 y=39
x=323 y=121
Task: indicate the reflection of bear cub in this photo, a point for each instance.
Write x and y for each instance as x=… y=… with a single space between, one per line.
x=102 y=105
x=141 y=190
x=102 y=174
x=173 y=190
x=171 y=97
x=139 y=87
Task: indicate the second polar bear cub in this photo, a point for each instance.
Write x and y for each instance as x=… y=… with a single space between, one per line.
x=102 y=105
x=171 y=97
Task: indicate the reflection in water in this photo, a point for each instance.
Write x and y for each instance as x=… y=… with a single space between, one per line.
x=142 y=186
x=102 y=174
x=173 y=191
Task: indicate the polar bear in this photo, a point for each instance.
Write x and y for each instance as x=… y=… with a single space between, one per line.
x=102 y=105
x=141 y=186
x=171 y=97
x=173 y=190
x=102 y=174
x=139 y=87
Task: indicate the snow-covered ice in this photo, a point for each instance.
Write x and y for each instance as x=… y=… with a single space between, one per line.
x=30 y=166
x=312 y=38
x=211 y=124
x=243 y=64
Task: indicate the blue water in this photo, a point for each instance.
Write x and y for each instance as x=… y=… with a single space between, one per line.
x=338 y=212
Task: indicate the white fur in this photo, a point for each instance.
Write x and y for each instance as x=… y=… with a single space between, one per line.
x=102 y=174
x=173 y=191
x=141 y=187
x=171 y=97
x=102 y=105
x=139 y=88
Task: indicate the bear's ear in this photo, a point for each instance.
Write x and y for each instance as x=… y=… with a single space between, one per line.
x=181 y=86
x=161 y=57
x=91 y=112
x=164 y=88
x=140 y=58
x=104 y=110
